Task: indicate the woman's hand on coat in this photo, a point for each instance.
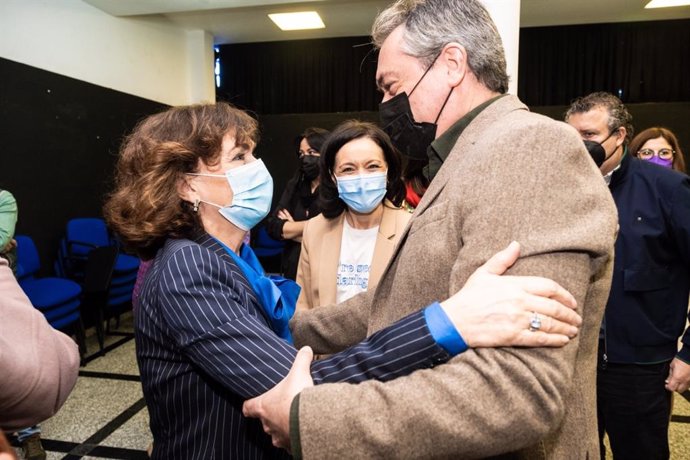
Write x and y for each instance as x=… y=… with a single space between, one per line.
x=499 y=311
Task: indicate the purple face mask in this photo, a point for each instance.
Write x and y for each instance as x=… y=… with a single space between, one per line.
x=658 y=161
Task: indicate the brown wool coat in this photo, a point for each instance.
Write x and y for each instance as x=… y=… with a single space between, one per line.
x=318 y=260
x=512 y=175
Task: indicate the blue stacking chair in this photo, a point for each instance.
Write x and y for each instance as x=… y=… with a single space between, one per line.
x=97 y=279
x=57 y=298
x=83 y=235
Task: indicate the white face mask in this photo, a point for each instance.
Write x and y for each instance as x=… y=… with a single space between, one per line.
x=252 y=188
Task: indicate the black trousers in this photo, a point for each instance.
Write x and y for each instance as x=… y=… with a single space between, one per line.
x=633 y=408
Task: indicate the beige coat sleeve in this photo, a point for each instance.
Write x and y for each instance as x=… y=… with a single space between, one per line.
x=485 y=402
x=38 y=365
x=332 y=328
x=329 y=328
x=304 y=275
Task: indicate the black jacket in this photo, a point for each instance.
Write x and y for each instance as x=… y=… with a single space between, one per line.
x=648 y=304
x=302 y=204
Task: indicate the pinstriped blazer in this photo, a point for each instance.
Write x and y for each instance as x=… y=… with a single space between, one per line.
x=204 y=346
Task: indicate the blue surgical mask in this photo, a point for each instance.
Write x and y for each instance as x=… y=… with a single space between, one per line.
x=362 y=193
x=252 y=188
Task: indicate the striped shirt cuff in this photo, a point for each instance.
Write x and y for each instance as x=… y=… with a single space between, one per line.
x=443 y=331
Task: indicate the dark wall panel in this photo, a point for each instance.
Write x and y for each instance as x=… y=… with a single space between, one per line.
x=640 y=61
x=59 y=137
x=278 y=133
x=300 y=76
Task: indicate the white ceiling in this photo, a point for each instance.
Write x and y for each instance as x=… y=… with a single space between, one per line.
x=242 y=21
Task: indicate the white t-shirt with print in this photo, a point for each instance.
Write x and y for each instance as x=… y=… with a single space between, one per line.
x=354 y=264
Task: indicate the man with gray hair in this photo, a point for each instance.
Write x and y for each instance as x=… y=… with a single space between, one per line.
x=499 y=173
x=639 y=364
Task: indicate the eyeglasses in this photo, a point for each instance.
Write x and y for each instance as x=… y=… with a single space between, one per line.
x=310 y=152
x=664 y=154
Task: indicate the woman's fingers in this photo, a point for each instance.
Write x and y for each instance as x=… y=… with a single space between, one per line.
x=551 y=308
x=504 y=259
x=539 y=322
x=528 y=338
x=285 y=214
x=543 y=287
x=501 y=261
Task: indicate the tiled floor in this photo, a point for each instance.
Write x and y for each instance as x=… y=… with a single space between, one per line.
x=106 y=417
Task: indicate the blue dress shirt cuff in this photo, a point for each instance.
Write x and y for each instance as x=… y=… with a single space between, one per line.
x=443 y=331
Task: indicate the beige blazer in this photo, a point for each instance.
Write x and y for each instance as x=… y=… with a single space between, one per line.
x=38 y=365
x=318 y=262
x=512 y=175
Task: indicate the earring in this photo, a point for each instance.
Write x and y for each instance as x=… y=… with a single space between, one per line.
x=196 y=205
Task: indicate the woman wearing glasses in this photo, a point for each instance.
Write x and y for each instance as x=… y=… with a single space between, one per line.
x=659 y=146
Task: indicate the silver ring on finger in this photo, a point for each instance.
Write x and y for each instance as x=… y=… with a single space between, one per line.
x=535 y=322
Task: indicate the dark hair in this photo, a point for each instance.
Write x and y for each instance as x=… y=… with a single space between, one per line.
x=331 y=204
x=656 y=132
x=413 y=174
x=145 y=209
x=618 y=114
x=315 y=138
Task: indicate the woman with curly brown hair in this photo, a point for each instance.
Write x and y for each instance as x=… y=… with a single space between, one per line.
x=211 y=328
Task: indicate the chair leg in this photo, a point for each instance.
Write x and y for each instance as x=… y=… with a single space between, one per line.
x=81 y=338
x=99 y=331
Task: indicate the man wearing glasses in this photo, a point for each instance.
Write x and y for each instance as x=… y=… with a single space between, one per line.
x=639 y=363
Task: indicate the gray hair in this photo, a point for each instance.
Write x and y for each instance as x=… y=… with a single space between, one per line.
x=618 y=114
x=432 y=24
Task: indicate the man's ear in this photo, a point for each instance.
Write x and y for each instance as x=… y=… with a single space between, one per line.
x=454 y=57
x=622 y=132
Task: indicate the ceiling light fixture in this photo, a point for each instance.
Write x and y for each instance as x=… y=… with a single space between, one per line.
x=298 y=21
x=667 y=3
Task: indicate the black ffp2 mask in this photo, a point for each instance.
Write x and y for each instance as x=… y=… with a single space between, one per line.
x=596 y=151
x=309 y=165
x=409 y=137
